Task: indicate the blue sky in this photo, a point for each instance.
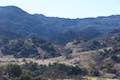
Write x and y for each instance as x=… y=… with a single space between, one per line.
x=67 y=8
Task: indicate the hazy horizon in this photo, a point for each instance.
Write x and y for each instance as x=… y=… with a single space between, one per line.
x=67 y=8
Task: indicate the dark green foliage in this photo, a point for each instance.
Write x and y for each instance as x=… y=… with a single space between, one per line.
x=25 y=77
x=116 y=58
x=13 y=70
x=29 y=47
x=61 y=71
x=37 y=41
x=40 y=78
x=34 y=71
x=56 y=70
x=96 y=45
x=95 y=72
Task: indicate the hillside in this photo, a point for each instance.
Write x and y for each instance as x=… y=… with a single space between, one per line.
x=59 y=47
x=14 y=23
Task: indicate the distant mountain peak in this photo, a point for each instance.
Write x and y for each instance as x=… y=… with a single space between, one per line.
x=12 y=9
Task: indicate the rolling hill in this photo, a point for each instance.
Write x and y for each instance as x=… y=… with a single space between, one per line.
x=14 y=23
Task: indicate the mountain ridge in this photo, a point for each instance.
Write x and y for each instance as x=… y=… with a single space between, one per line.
x=58 y=30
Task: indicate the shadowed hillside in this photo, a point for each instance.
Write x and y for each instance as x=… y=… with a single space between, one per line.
x=15 y=23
